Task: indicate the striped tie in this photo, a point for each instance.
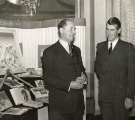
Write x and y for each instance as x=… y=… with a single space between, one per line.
x=110 y=49
x=70 y=49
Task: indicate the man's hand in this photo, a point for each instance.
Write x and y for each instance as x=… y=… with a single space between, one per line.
x=76 y=85
x=128 y=103
x=97 y=108
x=82 y=79
x=79 y=82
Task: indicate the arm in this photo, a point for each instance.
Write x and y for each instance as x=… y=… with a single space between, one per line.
x=81 y=80
x=131 y=73
x=96 y=83
x=49 y=73
x=96 y=93
x=131 y=79
x=97 y=63
x=83 y=73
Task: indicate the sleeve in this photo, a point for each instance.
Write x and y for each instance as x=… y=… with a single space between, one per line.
x=97 y=63
x=81 y=64
x=50 y=74
x=131 y=73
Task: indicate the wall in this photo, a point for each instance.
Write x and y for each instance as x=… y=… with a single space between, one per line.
x=100 y=20
x=101 y=13
x=32 y=38
x=95 y=15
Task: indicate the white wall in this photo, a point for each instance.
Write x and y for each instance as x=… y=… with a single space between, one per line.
x=100 y=20
x=31 y=38
x=101 y=14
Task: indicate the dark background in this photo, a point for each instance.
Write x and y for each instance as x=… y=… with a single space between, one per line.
x=50 y=8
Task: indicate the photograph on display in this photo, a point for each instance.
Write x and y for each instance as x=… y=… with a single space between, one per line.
x=6 y=107
x=39 y=83
x=39 y=92
x=16 y=111
x=10 y=53
x=41 y=49
x=20 y=95
x=12 y=83
x=5 y=102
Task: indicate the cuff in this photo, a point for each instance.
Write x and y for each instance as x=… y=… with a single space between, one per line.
x=69 y=88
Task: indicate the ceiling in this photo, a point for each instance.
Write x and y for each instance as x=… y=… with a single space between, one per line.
x=47 y=7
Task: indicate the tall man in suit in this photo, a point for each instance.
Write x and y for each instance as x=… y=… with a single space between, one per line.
x=115 y=69
x=64 y=74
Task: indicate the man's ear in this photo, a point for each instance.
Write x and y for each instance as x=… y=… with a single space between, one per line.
x=61 y=30
x=119 y=31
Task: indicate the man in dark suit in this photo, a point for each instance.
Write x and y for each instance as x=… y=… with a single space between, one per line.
x=64 y=74
x=115 y=69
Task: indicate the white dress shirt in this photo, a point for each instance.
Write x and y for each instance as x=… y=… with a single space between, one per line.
x=114 y=42
x=65 y=45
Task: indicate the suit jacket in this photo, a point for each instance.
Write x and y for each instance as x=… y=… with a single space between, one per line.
x=116 y=72
x=59 y=69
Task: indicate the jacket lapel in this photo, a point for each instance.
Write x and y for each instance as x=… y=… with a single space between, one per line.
x=62 y=49
x=117 y=46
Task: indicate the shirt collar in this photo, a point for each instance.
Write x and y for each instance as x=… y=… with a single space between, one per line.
x=64 y=44
x=114 y=42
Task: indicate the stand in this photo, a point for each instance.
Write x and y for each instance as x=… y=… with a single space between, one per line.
x=9 y=73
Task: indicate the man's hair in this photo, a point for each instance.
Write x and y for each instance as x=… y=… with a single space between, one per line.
x=114 y=21
x=61 y=24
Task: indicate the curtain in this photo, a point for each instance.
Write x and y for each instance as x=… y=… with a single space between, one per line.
x=125 y=11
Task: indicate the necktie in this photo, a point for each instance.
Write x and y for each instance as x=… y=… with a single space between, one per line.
x=70 y=49
x=110 y=48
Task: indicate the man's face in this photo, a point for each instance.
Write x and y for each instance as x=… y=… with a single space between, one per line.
x=112 y=32
x=68 y=32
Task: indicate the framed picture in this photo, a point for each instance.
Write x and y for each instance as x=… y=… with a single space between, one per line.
x=6 y=107
x=12 y=83
x=10 y=52
x=39 y=83
x=20 y=95
x=5 y=102
x=41 y=49
x=16 y=111
x=39 y=92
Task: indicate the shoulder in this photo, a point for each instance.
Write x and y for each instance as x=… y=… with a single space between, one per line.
x=76 y=49
x=126 y=44
x=101 y=44
x=127 y=48
x=51 y=49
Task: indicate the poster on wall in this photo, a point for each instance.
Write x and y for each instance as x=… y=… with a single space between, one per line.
x=10 y=55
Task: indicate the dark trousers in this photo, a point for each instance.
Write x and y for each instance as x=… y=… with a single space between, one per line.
x=53 y=115
x=113 y=111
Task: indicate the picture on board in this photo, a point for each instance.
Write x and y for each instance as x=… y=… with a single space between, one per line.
x=10 y=55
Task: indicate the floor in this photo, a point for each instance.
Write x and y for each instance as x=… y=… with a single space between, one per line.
x=92 y=117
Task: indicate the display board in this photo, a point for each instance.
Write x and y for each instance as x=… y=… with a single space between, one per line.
x=10 y=55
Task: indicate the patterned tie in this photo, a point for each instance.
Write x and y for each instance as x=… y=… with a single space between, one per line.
x=110 y=49
x=70 y=49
